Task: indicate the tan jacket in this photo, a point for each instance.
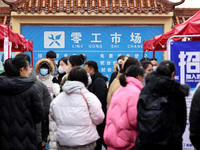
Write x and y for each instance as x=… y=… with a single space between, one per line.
x=113 y=87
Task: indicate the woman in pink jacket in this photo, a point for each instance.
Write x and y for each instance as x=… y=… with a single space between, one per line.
x=121 y=122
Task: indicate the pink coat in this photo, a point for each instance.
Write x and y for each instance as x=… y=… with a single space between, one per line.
x=121 y=120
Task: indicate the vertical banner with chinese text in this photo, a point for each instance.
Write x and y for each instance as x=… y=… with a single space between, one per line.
x=102 y=44
x=186 y=56
x=7 y=49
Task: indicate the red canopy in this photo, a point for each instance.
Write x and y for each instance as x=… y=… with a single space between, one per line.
x=189 y=27
x=19 y=43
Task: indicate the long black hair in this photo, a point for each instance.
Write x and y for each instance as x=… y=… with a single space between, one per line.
x=12 y=66
x=131 y=71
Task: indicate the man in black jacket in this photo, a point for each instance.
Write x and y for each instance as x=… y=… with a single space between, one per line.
x=99 y=88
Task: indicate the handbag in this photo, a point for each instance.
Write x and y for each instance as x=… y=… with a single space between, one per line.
x=85 y=99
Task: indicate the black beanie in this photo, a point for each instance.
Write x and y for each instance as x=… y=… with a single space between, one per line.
x=77 y=60
x=44 y=65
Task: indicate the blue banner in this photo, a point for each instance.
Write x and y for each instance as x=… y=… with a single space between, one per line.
x=186 y=56
x=102 y=44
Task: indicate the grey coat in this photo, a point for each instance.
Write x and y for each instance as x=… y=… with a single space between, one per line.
x=46 y=99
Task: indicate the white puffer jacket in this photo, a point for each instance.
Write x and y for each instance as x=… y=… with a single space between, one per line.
x=52 y=134
x=76 y=125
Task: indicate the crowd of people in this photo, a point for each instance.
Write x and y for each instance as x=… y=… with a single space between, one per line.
x=71 y=105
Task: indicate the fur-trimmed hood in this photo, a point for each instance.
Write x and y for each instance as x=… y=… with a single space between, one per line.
x=164 y=85
x=49 y=62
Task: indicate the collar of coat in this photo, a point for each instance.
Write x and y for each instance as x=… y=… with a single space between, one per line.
x=98 y=75
x=164 y=85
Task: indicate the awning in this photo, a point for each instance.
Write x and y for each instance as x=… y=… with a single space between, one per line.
x=159 y=42
x=19 y=43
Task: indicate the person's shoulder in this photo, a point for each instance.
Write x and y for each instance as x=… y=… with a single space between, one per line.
x=34 y=88
x=114 y=74
x=41 y=84
x=89 y=94
x=60 y=97
x=51 y=76
x=197 y=88
x=99 y=80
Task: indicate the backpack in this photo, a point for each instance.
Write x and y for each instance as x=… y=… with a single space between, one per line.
x=154 y=120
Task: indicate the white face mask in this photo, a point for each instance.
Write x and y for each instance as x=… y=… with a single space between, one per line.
x=67 y=69
x=61 y=69
x=118 y=68
x=154 y=68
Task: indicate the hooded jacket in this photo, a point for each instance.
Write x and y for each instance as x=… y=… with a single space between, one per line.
x=76 y=125
x=47 y=79
x=121 y=120
x=20 y=109
x=175 y=94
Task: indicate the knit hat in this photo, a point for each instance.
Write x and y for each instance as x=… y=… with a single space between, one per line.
x=44 y=65
x=77 y=60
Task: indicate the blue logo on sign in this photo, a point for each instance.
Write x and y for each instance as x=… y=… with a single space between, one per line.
x=54 y=39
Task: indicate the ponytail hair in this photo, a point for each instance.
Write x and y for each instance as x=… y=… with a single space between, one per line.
x=166 y=68
x=122 y=80
x=77 y=60
x=12 y=66
x=131 y=71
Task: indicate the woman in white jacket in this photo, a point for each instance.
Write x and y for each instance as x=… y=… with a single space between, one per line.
x=76 y=112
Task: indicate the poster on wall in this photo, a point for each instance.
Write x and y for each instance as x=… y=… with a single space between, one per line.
x=186 y=56
x=102 y=44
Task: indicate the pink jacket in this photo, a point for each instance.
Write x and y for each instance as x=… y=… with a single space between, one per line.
x=121 y=120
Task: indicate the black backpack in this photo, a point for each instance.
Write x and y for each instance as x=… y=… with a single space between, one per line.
x=154 y=120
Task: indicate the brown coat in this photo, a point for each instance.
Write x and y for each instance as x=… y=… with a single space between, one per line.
x=113 y=87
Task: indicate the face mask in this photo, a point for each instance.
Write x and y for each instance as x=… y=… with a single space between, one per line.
x=67 y=69
x=61 y=69
x=154 y=68
x=118 y=68
x=44 y=72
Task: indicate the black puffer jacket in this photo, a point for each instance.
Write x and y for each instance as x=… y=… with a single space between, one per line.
x=20 y=109
x=175 y=93
x=99 y=88
x=195 y=119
